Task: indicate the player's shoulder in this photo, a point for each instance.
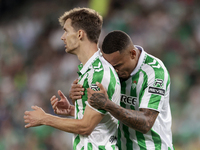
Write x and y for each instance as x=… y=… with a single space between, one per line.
x=101 y=64
x=153 y=62
x=97 y=65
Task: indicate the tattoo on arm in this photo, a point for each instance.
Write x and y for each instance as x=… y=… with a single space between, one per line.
x=142 y=120
x=98 y=100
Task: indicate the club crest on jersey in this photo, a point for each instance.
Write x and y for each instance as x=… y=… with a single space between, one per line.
x=134 y=84
x=129 y=100
x=95 y=87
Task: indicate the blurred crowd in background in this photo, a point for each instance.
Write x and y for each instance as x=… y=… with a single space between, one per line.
x=34 y=64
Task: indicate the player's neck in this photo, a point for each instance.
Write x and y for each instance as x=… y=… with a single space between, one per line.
x=86 y=51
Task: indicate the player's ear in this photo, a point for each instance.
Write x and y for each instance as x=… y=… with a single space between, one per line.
x=132 y=53
x=81 y=34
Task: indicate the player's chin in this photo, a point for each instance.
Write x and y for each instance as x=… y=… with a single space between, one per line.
x=124 y=78
x=71 y=51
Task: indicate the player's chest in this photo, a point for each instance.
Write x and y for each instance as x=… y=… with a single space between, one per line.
x=130 y=92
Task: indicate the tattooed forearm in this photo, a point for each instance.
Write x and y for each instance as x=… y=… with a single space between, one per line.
x=98 y=100
x=142 y=120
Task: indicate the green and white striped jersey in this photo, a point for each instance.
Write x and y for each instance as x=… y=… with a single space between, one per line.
x=148 y=87
x=104 y=135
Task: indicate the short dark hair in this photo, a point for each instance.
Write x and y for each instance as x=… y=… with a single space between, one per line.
x=115 y=41
x=86 y=19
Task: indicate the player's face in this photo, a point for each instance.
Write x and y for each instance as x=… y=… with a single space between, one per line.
x=122 y=62
x=70 y=37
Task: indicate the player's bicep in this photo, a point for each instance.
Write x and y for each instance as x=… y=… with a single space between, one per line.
x=91 y=118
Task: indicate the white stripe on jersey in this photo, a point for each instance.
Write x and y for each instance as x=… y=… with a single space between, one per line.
x=151 y=74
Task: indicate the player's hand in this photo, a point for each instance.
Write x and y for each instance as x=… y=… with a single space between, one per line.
x=35 y=117
x=76 y=91
x=97 y=99
x=62 y=106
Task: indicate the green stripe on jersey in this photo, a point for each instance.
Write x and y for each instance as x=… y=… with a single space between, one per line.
x=123 y=87
x=123 y=91
x=168 y=81
x=129 y=143
x=154 y=101
x=141 y=140
x=102 y=148
x=113 y=146
x=156 y=140
x=76 y=141
x=98 y=71
x=134 y=87
x=84 y=97
x=111 y=86
x=119 y=139
x=89 y=147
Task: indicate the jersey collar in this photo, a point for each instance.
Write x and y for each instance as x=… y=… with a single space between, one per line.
x=83 y=69
x=140 y=61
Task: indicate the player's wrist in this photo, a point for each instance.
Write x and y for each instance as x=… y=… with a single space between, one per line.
x=107 y=105
x=44 y=120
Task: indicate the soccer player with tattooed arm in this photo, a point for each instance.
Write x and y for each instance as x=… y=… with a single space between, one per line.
x=94 y=129
x=144 y=113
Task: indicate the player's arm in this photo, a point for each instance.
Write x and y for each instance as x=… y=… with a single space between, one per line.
x=141 y=120
x=82 y=126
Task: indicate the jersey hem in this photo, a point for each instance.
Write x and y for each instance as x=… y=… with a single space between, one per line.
x=95 y=108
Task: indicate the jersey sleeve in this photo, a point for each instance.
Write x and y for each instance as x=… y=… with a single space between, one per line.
x=155 y=86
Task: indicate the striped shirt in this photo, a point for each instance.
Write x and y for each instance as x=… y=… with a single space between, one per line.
x=104 y=135
x=148 y=87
